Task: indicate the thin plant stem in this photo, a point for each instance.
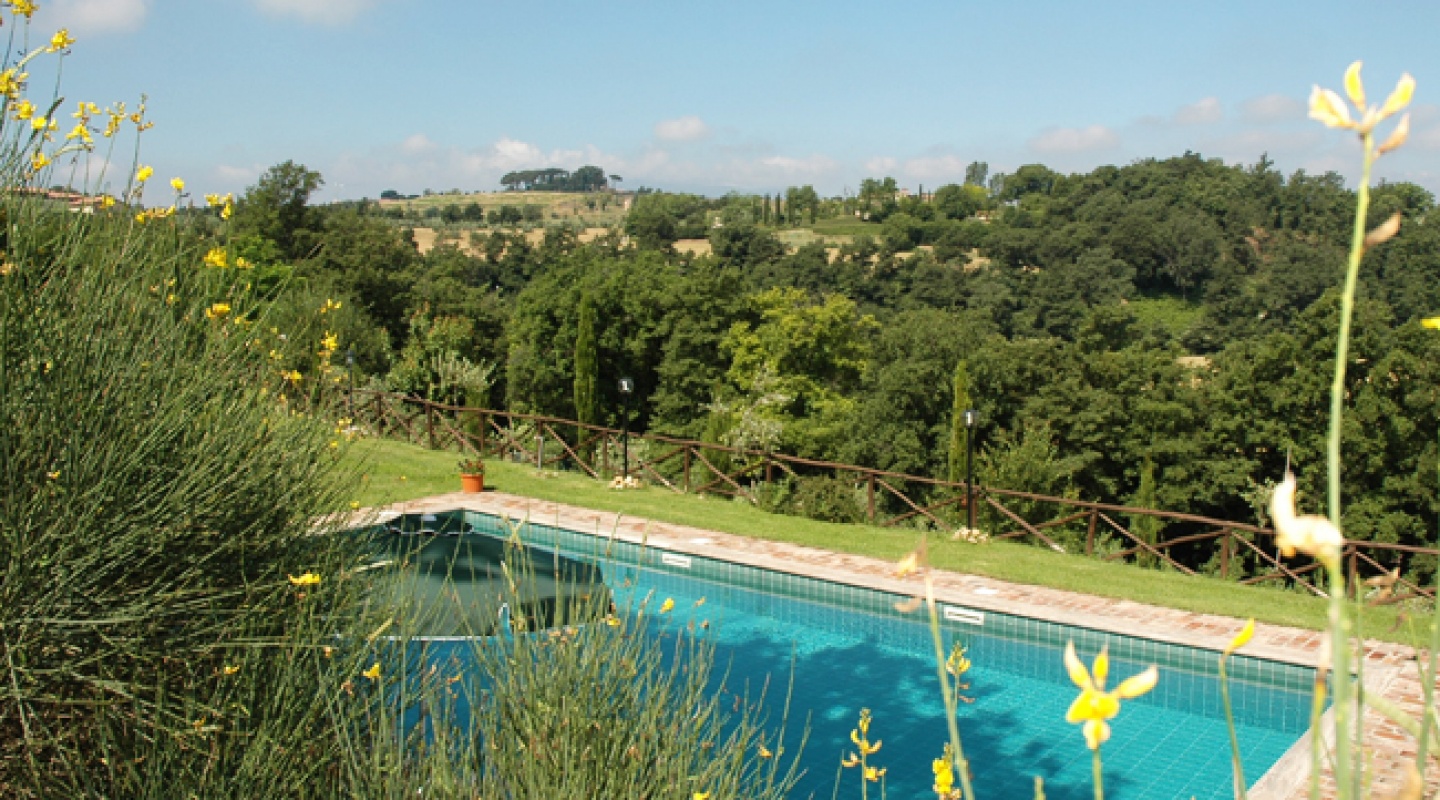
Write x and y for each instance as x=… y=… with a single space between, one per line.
x=1339 y=618
x=1317 y=749
x=1230 y=724
x=1427 y=674
x=1342 y=340
x=1099 y=772
x=1340 y=634
x=962 y=767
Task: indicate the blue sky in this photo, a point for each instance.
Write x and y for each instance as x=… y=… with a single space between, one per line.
x=736 y=95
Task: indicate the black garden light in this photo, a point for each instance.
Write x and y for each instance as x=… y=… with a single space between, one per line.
x=627 y=390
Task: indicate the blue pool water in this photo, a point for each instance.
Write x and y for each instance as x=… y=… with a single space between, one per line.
x=851 y=650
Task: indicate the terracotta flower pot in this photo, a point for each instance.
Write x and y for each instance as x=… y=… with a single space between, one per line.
x=472 y=483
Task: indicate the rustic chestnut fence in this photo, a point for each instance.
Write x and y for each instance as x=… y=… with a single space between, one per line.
x=1234 y=550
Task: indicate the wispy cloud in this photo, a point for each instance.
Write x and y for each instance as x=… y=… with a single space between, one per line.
x=1201 y=112
x=232 y=175
x=936 y=168
x=1285 y=144
x=787 y=165
x=1270 y=108
x=1075 y=140
x=1428 y=139
x=315 y=12
x=681 y=129
x=94 y=16
x=417 y=144
x=880 y=166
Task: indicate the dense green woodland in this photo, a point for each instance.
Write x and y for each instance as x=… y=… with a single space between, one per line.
x=1170 y=320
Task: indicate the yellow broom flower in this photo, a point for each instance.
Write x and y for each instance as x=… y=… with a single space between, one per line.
x=1095 y=706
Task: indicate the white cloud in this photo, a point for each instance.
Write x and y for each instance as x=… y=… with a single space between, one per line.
x=507 y=154
x=936 y=167
x=1421 y=113
x=416 y=144
x=231 y=174
x=1249 y=144
x=881 y=165
x=1272 y=108
x=319 y=12
x=95 y=16
x=681 y=129
x=1200 y=112
x=1075 y=140
x=785 y=165
x=1426 y=139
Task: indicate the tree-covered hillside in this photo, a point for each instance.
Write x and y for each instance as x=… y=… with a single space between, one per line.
x=1173 y=316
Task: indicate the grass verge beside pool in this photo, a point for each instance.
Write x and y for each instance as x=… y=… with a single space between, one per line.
x=395 y=472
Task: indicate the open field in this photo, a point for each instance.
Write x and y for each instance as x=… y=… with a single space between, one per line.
x=426 y=239
x=395 y=471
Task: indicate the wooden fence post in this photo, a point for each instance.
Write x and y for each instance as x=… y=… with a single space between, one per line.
x=379 y=417
x=870 y=499
x=687 y=469
x=430 y=424
x=1225 y=548
x=1090 y=533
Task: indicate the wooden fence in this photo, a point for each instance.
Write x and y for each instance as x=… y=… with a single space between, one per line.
x=1235 y=550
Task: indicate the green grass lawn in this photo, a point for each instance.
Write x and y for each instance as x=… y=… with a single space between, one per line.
x=394 y=471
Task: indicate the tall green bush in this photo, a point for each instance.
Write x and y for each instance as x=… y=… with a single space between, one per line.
x=159 y=484
x=159 y=480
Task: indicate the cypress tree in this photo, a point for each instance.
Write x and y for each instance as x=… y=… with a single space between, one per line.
x=1145 y=528
x=587 y=364
x=765 y=210
x=959 y=436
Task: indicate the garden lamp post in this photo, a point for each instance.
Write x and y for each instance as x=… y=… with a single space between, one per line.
x=627 y=389
x=972 y=419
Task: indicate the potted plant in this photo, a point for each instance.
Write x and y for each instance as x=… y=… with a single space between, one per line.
x=472 y=474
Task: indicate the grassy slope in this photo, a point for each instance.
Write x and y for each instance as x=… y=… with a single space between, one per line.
x=395 y=471
x=845 y=226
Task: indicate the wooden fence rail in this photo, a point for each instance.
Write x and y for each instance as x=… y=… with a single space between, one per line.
x=1235 y=550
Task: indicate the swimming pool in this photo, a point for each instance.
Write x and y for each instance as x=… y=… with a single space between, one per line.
x=851 y=650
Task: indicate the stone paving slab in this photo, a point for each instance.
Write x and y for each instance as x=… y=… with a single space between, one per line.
x=1389 y=668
